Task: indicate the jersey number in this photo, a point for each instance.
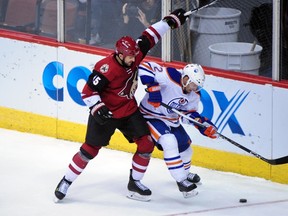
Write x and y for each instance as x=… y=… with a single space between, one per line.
x=96 y=80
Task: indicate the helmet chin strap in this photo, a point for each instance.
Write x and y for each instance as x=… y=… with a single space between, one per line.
x=184 y=86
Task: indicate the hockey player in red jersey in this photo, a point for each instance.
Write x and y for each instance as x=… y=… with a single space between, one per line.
x=109 y=93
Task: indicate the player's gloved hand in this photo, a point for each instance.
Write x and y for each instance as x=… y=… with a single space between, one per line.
x=101 y=113
x=210 y=130
x=176 y=18
x=155 y=97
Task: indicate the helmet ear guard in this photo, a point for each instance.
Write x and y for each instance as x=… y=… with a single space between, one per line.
x=195 y=74
x=127 y=46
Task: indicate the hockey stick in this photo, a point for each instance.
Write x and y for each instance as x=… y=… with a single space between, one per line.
x=278 y=161
x=197 y=6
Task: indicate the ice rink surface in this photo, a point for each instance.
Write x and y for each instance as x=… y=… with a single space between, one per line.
x=32 y=165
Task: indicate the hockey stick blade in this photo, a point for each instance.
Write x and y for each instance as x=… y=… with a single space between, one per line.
x=199 y=8
x=277 y=161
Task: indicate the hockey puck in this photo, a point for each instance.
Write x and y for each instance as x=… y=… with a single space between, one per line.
x=243 y=200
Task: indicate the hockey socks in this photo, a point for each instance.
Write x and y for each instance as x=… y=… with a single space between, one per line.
x=77 y=165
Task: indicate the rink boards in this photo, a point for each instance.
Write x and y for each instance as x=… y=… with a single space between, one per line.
x=40 y=93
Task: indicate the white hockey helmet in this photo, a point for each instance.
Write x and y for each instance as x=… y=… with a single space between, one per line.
x=195 y=74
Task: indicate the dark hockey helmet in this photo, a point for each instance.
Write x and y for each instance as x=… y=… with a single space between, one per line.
x=127 y=46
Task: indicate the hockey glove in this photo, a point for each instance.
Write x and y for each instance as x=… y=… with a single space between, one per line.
x=176 y=18
x=155 y=97
x=101 y=113
x=209 y=130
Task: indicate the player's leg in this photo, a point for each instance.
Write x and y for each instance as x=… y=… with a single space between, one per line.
x=185 y=150
x=186 y=157
x=135 y=129
x=96 y=137
x=167 y=142
x=75 y=168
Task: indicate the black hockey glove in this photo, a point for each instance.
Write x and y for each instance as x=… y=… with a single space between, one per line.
x=176 y=18
x=101 y=113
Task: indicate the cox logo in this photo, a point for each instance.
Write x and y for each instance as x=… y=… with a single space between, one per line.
x=54 y=69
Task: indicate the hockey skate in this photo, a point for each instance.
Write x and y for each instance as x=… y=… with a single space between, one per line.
x=187 y=188
x=61 y=189
x=194 y=178
x=138 y=191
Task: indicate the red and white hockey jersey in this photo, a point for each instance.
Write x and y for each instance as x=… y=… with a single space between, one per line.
x=118 y=95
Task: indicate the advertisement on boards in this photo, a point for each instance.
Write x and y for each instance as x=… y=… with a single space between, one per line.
x=48 y=81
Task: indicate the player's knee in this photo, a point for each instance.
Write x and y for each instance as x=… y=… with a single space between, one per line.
x=145 y=144
x=89 y=151
x=168 y=141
